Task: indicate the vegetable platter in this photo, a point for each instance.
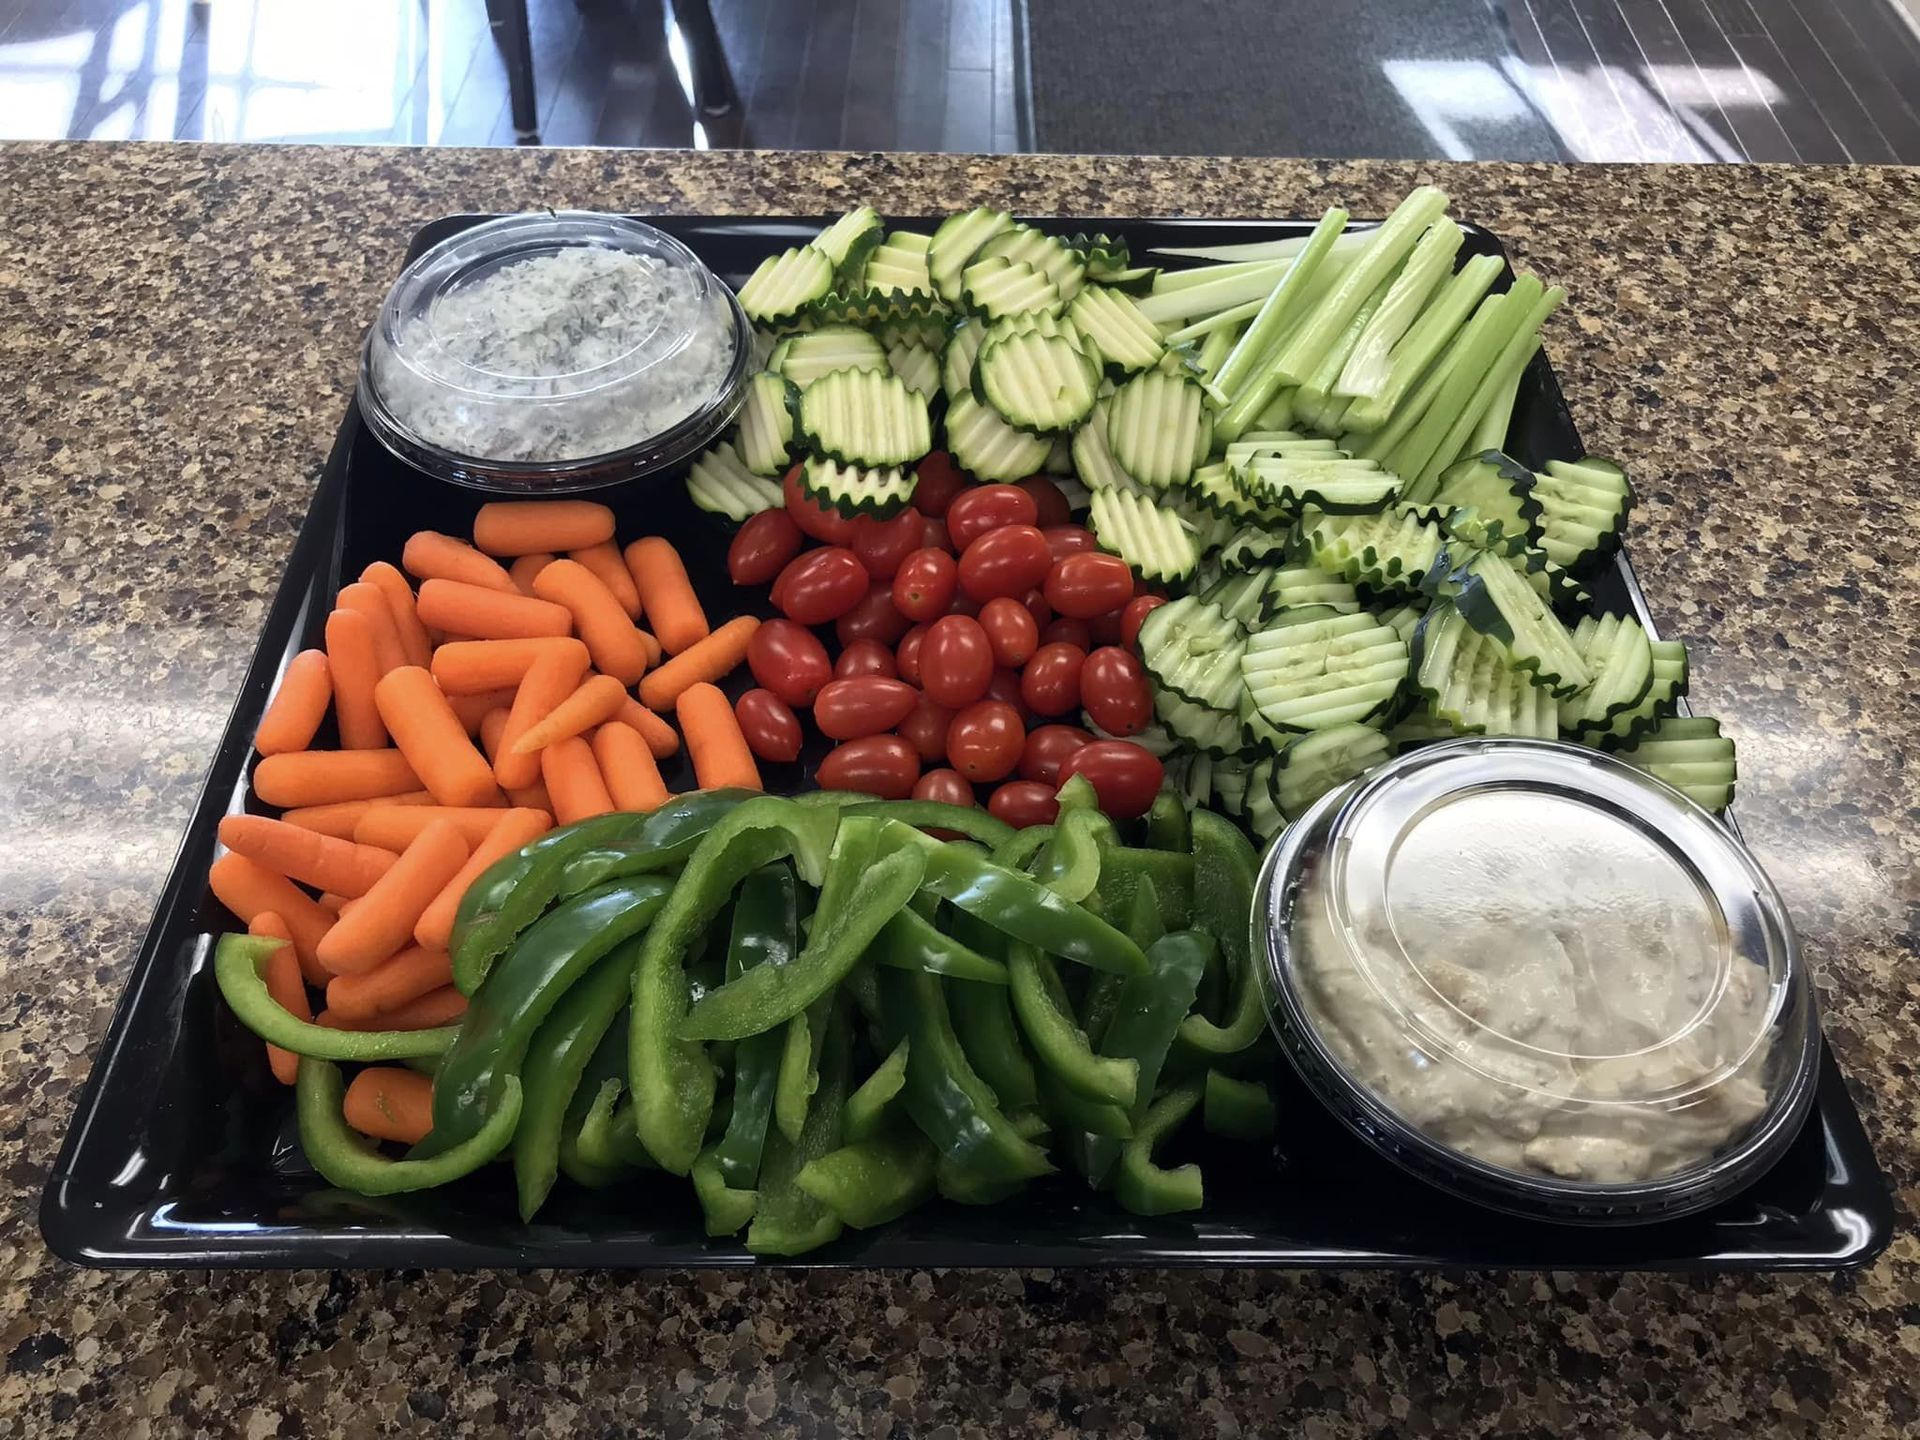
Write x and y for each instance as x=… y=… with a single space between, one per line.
x=186 y=1150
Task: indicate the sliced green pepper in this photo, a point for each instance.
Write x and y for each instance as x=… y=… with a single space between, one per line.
x=595 y=1172
x=1123 y=870
x=1016 y=852
x=1224 y=867
x=353 y=1162
x=665 y=838
x=969 y=820
x=786 y=1219
x=604 y=1138
x=1167 y=824
x=1144 y=925
x=965 y=1187
x=1069 y=863
x=725 y=1209
x=871 y=1106
x=236 y=969
x=1073 y=1113
x=872 y=1181
x=1239 y=1109
x=982 y=1018
x=1046 y=1017
x=909 y=941
x=798 y=1074
x=766 y=931
x=1142 y=1186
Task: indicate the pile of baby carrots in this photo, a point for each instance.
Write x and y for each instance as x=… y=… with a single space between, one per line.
x=473 y=715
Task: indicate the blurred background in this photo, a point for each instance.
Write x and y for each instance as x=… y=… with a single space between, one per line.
x=1629 y=80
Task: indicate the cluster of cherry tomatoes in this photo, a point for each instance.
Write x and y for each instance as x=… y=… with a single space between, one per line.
x=973 y=627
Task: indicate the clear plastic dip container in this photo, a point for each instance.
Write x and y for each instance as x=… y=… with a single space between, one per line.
x=1540 y=979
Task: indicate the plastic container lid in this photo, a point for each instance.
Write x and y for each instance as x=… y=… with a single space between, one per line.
x=549 y=353
x=1542 y=979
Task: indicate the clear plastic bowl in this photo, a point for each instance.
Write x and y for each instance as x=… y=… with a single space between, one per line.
x=1541 y=979
x=551 y=353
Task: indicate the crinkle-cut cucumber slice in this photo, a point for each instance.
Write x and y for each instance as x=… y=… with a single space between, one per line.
x=879 y=491
x=766 y=423
x=1390 y=551
x=998 y=287
x=1471 y=684
x=805 y=357
x=850 y=239
x=1193 y=648
x=917 y=366
x=719 y=482
x=1151 y=538
x=1316 y=669
x=1159 y=428
x=1620 y=656
x=1037 y=383
x=984 y=445
x=954 y=243
x=785 y=284
x=865 y=417
x=1495 y=600
x=1063 y=266
x=1323 y=761
x=1093 y=458
x=1690 y=754
x=1127 y=340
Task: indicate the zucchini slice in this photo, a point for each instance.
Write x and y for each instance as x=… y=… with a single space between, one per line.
x=1391 y=551
x=1497 y=602
x=1323 y=761
x=1064 y=267
x=1211 y=732
x=997 y=287
x=1616 y=649
x=849 y=240
x=1551 y=581
x=785 y=284
x=961 y=350
x=918 y=367
x=1583 y=507
x=1159 y=428
x=953 y=245
x=865 y=417
x=985 y=446
x=1128 y=341
x=1317 y=669
x=766 y=423
x=1037 y=383
x=1152 y=539
x=721 y=484
x=1471 y=684
x=1192 y=649
x=858 y=490
x=804 y=358
x=1093 y=458
x=1690 y=754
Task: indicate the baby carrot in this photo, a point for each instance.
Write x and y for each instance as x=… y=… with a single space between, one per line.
x=521 y=527
x=472 y=709
x=487 y=614
x=371 y=601
x=708 y=660
x=430 y=735
x=334 y=905
x=572 y=778
x=322 y=777
x=395 y=830
x=550 y=679
x=354 y=663
x=298 y=706
x=653 y=729
x=406 y=620
x=414 y=972
x=612 y=640
x=714 y=742
x=338 y=820
x=430 y=555
x=514 y=829
x=522 y=571
x=249 y=890
x=521 y=797
x=389 y=1102
x=382 y=923
x=610 y=569
x=599 y=699
x=666 y=595
x=306 y=855
x=464 y=667
x=284 y=983
x=633 y=780
x=436 y=1007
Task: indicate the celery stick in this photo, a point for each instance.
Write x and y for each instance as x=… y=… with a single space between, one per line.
x=1317 y=389
x=1367 y=367
x=1200 y=329
x=1216 y=348
x=1171 y=308
x=1281 y=304
x=1381 y=444
x=1170 y=280
x=1436 y=328
x=1333 y=415
x=1505 y=370
x=1256 y=250
x=1277 y=416
x=1491 y=432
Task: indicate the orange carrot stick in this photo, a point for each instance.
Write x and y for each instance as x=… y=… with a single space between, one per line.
x=525 y=568
x=626 y=764
x=430 y=735
x=323 y=777
x=354 y=663
x=284 y=983
x=521 y=797
x=472 y=709
x=338 y=820
x=463 y=667
x=414 y=972
x=653 y=729
x=521 y=527
x=437 y=1007
x=708 y=660
x=612 y=639
x=334 y=905
x=609 y=567
x=550 y=679
x=249 y=889
x=514 y=829
x=715 y=743
x=298 y=706
x=371 y=601
x=430 y=555
x=388 y=1102
x=406 y=620
x=572 y=778
x=666 y=595
x=306 y=855
x=489 y=614
x=395 y=830
x=599 y=699
x=382 y=923
x=531 y=797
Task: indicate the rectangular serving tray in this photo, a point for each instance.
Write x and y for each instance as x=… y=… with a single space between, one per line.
x=183 y=1151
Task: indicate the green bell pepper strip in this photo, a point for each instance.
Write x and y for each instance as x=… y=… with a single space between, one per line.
x=1069 y=863
x=982 y=1018
x=1016 y=904
x=523 y=986
x=236 y=969
x=798 y=1073
x=352 y=1162
x=952 y=1105
x=673 y=1080
x=861 y=894
x=1239 y=1109
x=1144 y=925
x=964 y=1187
x=1046 y=1017
x=968 y=820
x=1141 y=1186
x=605 y=1139
x=725 y=1209
x=909 y=941
x=661 y=841
x=766 y=931
x=1072 y=1114
x=1224 y=866
x=1018 y=851
x=786 y=1219
x=1167 y=825
x=872 y=1181
x=1123 y=870
x=870 y=1107
x=865 y=993
x=595 y=1173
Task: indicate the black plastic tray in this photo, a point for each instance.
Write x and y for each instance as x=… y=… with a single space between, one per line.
x=183 y=1151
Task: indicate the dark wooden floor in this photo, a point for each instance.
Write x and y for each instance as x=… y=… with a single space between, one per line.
x=1812 y=80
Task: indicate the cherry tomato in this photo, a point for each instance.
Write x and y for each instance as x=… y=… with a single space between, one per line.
x=987 y=507
x=1008 y=561
x=1083 y=586
x=1037 y=606
x=1022 y=803
x=924 y=584
x=926 y=729
x=820 y=585
x=848 y=709
x=1104 y=628
x=907 y=654
x=1046 y=747
x=883 y=765
x=1113 y=687
x=865 y=657
x=883 y=544
x=762 y=548
x=956 y=662
x=1124 y=776
x=963 y=604
x=874 y=618
x=1010 y=631
x=789 y=660
x=1134 y=615
x=1067 y=632
x=822 y=522
x=933 y=534
x=937 y=481
x=1051 y=682
x=1049 y=500
x=948 y=787
x=1065 y=540
x=1005 y=687
x=985 y=741
x=768 y=722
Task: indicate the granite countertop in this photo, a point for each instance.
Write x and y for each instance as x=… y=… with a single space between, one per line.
x=178 y=329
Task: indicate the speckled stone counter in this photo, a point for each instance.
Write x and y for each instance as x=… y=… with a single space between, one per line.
x=178 y=329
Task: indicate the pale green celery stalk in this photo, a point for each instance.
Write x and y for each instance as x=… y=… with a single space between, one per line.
x=1220 y=319
x=1370 y=361
x=1503 y=374
x=1392 y=243
x=1216 y=348
x=1412 y=458
x=1282 y=304
x=1168 y=281
x=1491 y=432
x=1258 y=250
x=1436 y=329
x=1175 y=307
x=1333 y=415
x=1407 y=414
x=1317 y=389
x=1277 y=416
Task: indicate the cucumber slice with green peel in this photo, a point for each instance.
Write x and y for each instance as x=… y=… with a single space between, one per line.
x=1037 y=383
x=900 y=263
x=1292 y=587
x=1209 y=732
x=1262 y=808
x=985 y=446
x=1583 y=508
x=805 y=357
x=1690 y=754
x=1316 y=670
x=874 y=309
x=1064 y=267
x=1618 y=652
x=1210 y=531
x=1259 y=735
x=1059 y=463
x=858 y=490
x=1238 y=596
x=1669 y=664
x=1192 y=649
x=1323 y=761
x=1214 y=488
x=918 y=368
x=1487 y=500
x=1229 y=781
x=1133 y=283
x=999 y=287
x=1422 y=727
x=1253 y=546
x=953 y=245
x=1497 y=602
x=1153 y=540
x=1334 y=485
x=1156 y=739
x=956 y=359
x=1093 y=459
x=1127 y=340
x=850 y=239
x=864 y=418
x=1105 y=256
x=785 y=284
x=1195 y=781
x=1471 y=684
x=1404 y=618
x=720 y=483
x=1551 y=581
x=766 y=423
x=1391 y=551
x=1159 y=428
